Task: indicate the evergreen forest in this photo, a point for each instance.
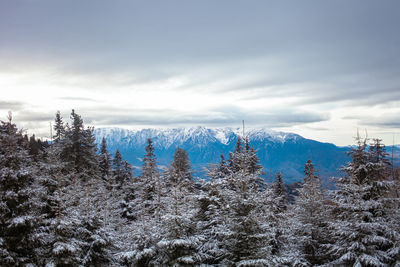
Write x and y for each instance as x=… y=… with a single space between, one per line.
x=68 y=202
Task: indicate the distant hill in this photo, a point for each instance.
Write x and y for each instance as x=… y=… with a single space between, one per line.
x=278 y=151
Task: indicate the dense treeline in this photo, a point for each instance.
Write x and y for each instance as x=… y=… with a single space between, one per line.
x=64 y=203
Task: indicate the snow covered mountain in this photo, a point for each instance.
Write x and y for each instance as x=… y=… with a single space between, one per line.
x=278 y=151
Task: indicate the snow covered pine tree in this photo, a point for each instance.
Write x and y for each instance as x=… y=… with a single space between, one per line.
x=17 y=221
x=361 y=230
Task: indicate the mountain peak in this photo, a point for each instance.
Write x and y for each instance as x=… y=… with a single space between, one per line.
x=277 y=151
x=198 y=135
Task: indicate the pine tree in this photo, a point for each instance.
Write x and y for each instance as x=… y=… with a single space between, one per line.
x=118 y=168
x=49 y=206
x=279 y=194
x=104 y=160
x=79 y=236
x=127 y=171
x=178 y=244
x=210 y=223
x=139 y=195
x=238 y=146
x=163 y=230
x=222 y=169
x=253 y=162
x=218 y=171
x=149 y=170
x=79 y=148
x=378 y=160
x=249 y=243
x=362 y=230
x=231 y=216
x=149 y=182
x=311 y=216
x=81 y=242
x=17 y=222
x=182 y=167
x=58 y=128
x=34 y=148
x=235 y=161
x=128 y=189
x=129 y=204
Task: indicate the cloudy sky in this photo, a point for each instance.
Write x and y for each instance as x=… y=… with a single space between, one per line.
x=322 y=69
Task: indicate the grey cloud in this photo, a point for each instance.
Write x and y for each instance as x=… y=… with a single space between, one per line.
x=388 y=123
x=223 y=116
x=316 y=128
x=32 y=117
x=172 y=36
x=341 y=52
x=351 y=117
x=310 y=85
x=390 y=120
x=320 y=53
x=387 y=120
x=297 y=117
x=11 y=105
x=358 y=90
x=77 y=99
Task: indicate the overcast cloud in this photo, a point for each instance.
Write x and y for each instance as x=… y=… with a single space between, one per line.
x=321 y=69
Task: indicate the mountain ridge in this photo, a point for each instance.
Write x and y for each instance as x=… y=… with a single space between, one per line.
x=278 y=151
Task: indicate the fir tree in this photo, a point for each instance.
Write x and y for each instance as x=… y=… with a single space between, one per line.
x=149 y=182
x=78 y=148
x=81 y=242
x=279 y=193
x=58 y=127
x=118 y=168
x=49 y=206
x=104 y=160
x=149 y=170
x=178 y=244
x=17 y=222
x=218 y=171
x=378 y=160
x=127 y=171
x=236 y=157
x=34 y=148
x=182 y=167
x=253 y=162
x=230 y=217
x=128 y=189
x=78 y=232
x=311 y=216
x=128 y=204
x=222 y=168
x=362 y=230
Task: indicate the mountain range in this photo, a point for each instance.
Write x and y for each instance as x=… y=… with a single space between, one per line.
x=277 y=151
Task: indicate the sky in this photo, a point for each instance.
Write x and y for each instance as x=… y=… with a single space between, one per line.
x=322 y=69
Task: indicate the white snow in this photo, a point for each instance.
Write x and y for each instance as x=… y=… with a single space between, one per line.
x=165 y=137
x=221 y=136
